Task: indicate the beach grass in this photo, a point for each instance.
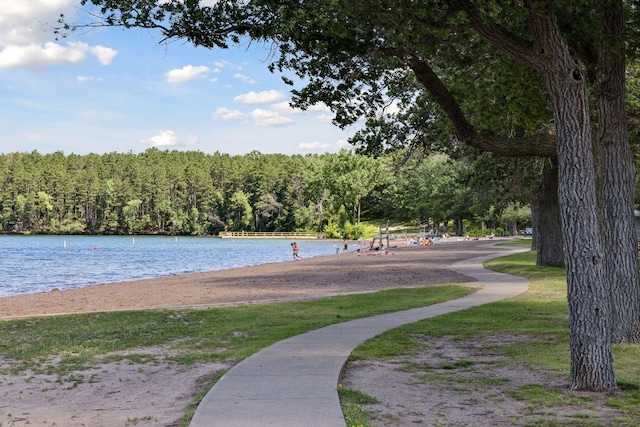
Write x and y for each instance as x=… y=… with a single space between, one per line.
x=537 y=323
x=62 y=344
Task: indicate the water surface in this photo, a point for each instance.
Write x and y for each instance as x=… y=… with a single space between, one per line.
x=31 y=264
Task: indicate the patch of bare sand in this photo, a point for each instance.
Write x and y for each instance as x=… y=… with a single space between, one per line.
x=158 y=393
x=467 y=383
x=110 y=394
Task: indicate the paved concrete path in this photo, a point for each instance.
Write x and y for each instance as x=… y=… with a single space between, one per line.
x=294 y=382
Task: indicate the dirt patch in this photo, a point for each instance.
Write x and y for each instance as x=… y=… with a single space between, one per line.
x=466 y=383
x=112 y=394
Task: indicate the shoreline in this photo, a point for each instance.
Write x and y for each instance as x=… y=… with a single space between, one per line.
x=309 y=278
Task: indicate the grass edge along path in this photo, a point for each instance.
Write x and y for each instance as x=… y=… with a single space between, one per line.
x=539 y=321
x=63 y=344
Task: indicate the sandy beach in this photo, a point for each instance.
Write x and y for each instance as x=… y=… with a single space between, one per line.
x=405 y=266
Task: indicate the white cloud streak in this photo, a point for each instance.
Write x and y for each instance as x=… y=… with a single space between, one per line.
x=84 y=79
x=314 y=146
x=186 y=74
x=265 y=97
x=269 y=118
x=245 y=79
x=165 y=138
x=227 y=114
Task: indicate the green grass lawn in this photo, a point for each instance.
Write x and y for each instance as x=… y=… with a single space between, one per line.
x=62 y=345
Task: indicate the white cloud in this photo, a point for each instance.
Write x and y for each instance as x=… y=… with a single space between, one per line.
x=25 y=22
x=314 y=146
x=245 y=79
x=265 y=97
x=324 y=146
x=284 y=107
x=104 y=54
x=325 y=117
x=26 y=31
x=41 y=56
x=225 y=64
x=190 y=140
x=186 y=74
x=267 y=118
x=84 y=79
x=319 y=108
x=226 y=114
x=343 y=143
x=165 y=138
x=49 y=54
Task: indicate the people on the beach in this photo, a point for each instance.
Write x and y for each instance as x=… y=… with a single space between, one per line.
x=295 y=248
x=345 y=248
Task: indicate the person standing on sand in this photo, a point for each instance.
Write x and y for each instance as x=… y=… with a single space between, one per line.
x=295 y=248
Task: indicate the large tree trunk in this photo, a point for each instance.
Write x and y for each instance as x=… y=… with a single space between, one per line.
x=545 y=213
x=589 y=319
x=587 y=289
x=616 y=173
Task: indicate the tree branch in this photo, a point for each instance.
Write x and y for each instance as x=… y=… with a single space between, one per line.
x=518 y=48
x=540 y=145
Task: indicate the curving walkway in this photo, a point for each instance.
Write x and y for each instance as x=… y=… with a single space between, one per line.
x=294 y=382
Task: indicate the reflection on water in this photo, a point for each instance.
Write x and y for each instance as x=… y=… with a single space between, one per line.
x=31 y=264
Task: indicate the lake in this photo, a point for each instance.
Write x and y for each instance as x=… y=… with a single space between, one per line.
x=31 y=264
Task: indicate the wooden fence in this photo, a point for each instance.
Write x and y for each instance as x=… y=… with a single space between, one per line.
x=269 y=235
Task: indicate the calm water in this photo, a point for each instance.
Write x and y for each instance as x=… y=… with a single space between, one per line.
x=31 y=264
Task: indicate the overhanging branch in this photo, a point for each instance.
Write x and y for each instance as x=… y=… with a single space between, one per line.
x=540 y=145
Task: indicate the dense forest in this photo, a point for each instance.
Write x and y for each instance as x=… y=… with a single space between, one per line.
x=193 y=193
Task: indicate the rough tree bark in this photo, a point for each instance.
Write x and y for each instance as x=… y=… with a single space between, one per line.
x=589 y=308
x=545 y=213
x=616 y=174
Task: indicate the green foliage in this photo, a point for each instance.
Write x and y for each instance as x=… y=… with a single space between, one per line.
x=349 y=178
x=355 y=232
x=194 y=194
x=332 y=231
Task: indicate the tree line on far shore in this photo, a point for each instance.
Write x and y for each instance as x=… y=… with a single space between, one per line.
x=193 y=193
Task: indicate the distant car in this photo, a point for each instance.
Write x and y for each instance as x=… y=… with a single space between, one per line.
x=528 y=231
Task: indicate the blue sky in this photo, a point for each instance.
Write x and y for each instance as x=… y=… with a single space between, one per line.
x=120 y=90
